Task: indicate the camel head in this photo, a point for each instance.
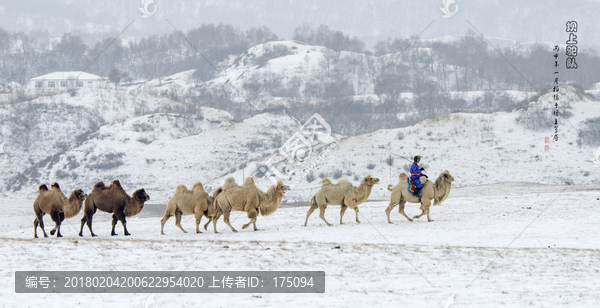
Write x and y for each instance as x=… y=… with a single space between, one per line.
x=80 y=194
x=141 y=195
x=282 y=187
x=368 y=180
x=447 y=177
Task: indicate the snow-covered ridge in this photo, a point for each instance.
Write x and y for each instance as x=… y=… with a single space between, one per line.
x=151 y=142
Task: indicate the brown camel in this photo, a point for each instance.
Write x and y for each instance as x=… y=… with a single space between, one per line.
x=247 y=198
x=342 y=193
x=196 y=201
x=56 y=204
x=112 y=199
x=438 y=191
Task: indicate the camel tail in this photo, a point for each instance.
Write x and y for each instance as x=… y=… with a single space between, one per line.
x=402 y=176
x=43 y=187
x=390 y=187
x=180 y=189
x=214 y=206
x=313 y=201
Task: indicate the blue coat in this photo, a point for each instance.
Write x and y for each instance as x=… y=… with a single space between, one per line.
x=415 y=175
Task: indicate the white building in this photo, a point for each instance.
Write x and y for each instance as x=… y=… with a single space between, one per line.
x=63 y=80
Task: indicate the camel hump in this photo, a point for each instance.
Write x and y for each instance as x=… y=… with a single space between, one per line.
x=343 y=180
x=402 y=176
x=326 y=181
x=43 y=187
x=99 y=185
x=229 y=182
x=249 y=182
x=390 y=187
x=180 y=189
x=198 y=184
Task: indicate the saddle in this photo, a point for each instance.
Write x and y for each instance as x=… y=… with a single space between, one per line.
x=412 y=187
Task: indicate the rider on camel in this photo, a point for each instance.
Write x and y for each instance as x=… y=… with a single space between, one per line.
x=415 y=174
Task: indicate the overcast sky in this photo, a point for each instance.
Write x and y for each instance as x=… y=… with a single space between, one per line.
x=370 y=20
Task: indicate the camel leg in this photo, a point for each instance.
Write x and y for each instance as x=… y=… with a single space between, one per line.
x=356 y=210
x=59 y=219
x=425 y=210
x=388 y=210
x=351 y=203
x=322 y=214
x=198 y=219
x=252 y=214
x=401 y=209
x=35 y=226
x=56 y=219
x=425 y=206
x=89 y=217
x=40 y=220
x=342 y=211
x=121 y=216
x=114 y=223
x=428 y=218
x=36 y=222
x=178 y=220
x=215 y=219
x=226 y=219
x=83 y=222
x=162 y=223
x=207 y=223
x=251 y=222
x=312 y=209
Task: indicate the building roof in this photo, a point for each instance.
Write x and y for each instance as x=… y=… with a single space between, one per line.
x=67 y=75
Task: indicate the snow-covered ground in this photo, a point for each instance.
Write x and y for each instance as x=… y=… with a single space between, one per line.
x=552 y=259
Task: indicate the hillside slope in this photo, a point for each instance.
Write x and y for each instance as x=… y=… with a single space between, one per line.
x=102 y=136
x=476 y=148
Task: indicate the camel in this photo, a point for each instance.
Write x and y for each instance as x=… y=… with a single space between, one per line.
x=342 y=193
x=112 y=199
x=438 y=191
x=196 y=201
x=56 y=204
x=247 y=198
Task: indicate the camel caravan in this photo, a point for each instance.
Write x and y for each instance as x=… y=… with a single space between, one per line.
x=248 y=198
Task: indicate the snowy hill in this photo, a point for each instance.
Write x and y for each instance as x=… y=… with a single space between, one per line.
x=286 y=61
x=155 y=143
x=37 y=134
x=476 y=148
